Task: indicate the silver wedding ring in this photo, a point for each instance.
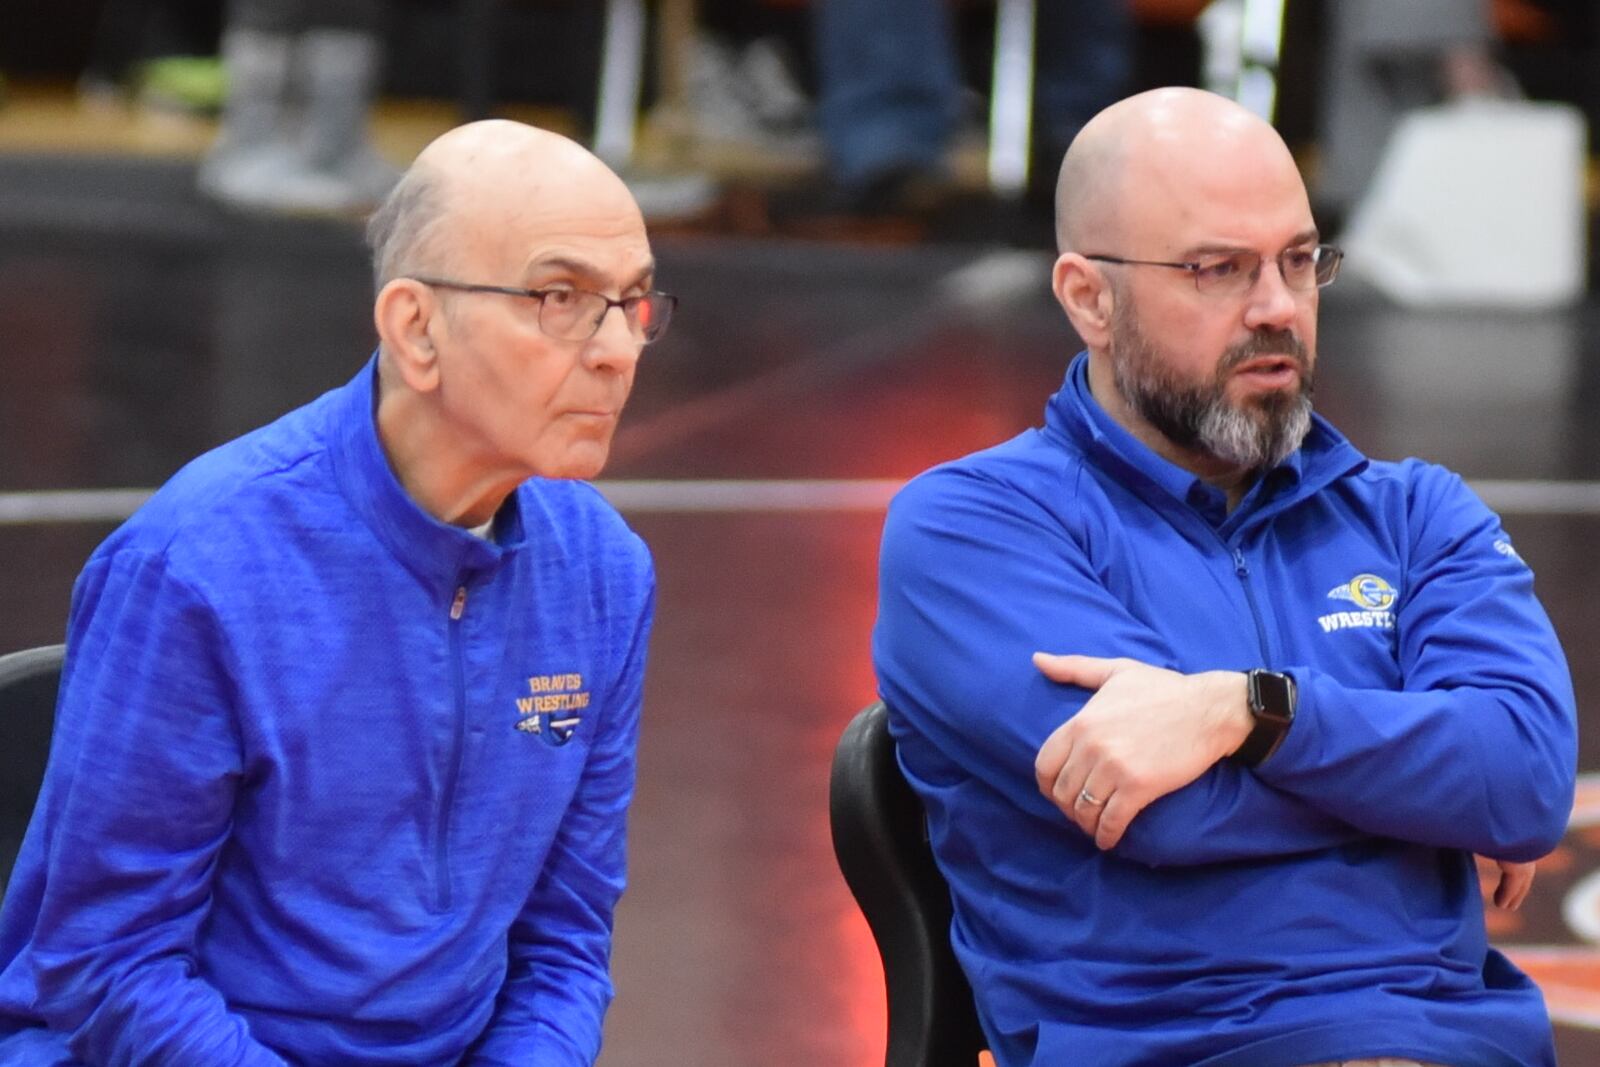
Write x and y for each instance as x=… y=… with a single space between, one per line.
x=1086 y=797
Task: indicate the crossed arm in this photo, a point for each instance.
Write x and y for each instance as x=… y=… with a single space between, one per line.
x=1152 y=731
x=1477 y=752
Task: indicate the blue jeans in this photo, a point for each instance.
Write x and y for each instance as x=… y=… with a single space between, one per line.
x=890 y=79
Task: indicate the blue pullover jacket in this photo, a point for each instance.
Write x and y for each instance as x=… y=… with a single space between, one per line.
x=1323 y=906
x=332 y=782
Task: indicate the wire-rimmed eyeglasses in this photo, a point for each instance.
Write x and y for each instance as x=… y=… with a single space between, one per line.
x=568 y=314
x=1235 y=273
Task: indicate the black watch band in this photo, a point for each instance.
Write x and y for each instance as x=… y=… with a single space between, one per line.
x=1271 y=697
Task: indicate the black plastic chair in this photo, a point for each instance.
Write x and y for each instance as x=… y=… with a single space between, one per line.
x=881 y=840
x=28 y=684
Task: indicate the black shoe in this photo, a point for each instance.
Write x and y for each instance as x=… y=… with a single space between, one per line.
x=894 y=207
x=902 y=190
x=899 y=192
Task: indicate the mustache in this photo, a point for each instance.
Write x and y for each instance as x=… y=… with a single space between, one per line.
x=1266 y=342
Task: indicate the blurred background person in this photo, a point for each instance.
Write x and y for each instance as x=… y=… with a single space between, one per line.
x=891 y=92
x=1384 y=59
x=301 y=77
x=159 y=53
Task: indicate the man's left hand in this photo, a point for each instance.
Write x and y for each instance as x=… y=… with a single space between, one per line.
x=1509 y=881
x=1145 y=732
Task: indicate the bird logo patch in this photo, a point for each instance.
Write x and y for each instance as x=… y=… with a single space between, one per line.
x=554 y=707
x=1371 y=596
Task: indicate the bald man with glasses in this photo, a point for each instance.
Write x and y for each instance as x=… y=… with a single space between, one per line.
x=1209 y=712
x=347 y=727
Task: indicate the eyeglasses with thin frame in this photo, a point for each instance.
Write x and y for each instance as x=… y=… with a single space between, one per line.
x=568 y=314
x=1236 y=273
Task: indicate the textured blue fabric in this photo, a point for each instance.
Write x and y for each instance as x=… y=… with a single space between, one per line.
x=296 y=811
x=1321 y=907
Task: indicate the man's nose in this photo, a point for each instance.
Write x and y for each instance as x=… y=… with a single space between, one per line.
x=1271 y=301
x=614 y=345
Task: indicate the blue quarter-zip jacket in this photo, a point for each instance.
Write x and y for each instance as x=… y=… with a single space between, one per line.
x=332 y=782
x=1323 y=906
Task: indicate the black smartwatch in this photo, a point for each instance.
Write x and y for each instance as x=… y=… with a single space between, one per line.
x=1271 y=697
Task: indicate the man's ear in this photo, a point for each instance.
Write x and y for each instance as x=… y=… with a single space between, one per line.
x=1083 y=293
x=407 y=315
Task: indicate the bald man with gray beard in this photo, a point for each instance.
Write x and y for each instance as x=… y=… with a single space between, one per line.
x=1209 y=712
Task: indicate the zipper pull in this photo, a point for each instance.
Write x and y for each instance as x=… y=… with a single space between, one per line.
x=1238 y=565
x=459 y=604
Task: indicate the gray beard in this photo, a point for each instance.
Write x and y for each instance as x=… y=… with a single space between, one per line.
x=1256 y=436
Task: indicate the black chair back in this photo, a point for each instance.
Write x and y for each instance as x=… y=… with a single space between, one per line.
x=28 y=684
x=881 y=840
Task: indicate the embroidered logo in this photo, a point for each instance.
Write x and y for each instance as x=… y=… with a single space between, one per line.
x=1503 y=547
x=554 y=707
x=1367 y=592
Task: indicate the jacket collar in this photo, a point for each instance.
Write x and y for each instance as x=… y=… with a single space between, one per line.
x=439 y=554
x=1075 y=418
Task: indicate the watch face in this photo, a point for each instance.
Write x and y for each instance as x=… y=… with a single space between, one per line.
x=1272 y=695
